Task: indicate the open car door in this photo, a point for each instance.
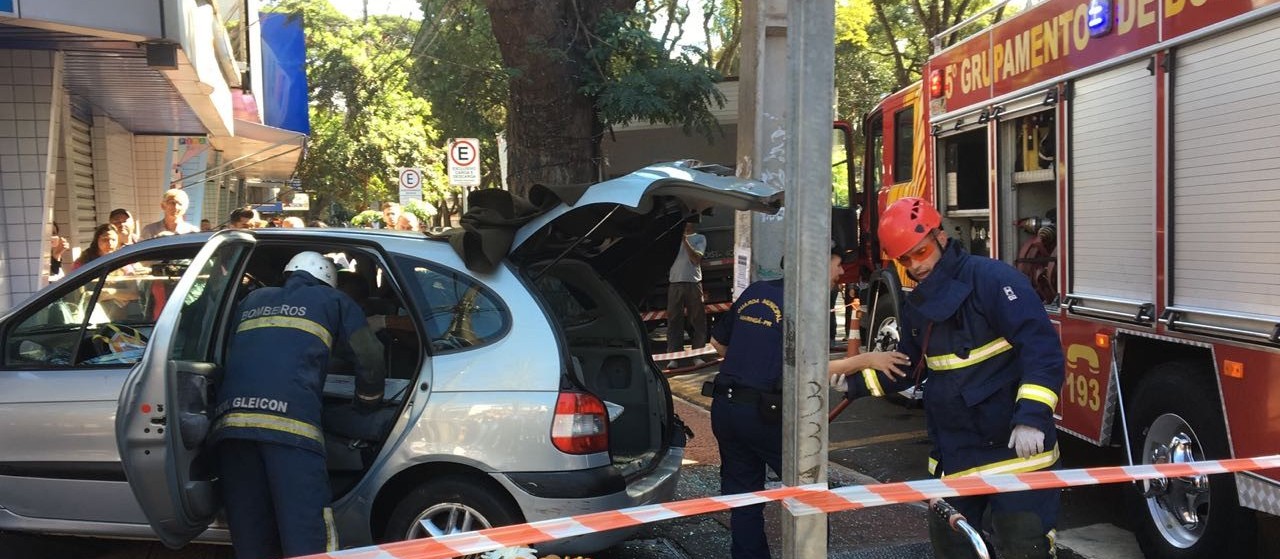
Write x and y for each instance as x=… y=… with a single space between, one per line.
x=166 y=404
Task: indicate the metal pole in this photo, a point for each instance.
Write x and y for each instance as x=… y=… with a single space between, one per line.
x=807 y=179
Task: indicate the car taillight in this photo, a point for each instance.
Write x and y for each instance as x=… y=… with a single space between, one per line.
x=581 y=424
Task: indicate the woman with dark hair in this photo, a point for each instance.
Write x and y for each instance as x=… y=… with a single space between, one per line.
x=119 y=299
x=105 y=241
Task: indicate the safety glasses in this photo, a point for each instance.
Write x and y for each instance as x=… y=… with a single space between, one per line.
x=919 y=253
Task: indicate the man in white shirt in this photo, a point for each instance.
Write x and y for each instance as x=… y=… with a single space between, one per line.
x=684 y=294
x=174 y=203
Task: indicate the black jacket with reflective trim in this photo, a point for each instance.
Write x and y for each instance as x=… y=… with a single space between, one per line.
x=272 y=388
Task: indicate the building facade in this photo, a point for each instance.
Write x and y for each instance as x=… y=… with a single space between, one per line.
x=107 y=104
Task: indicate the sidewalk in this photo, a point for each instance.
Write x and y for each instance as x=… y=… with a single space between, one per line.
x=895 y=531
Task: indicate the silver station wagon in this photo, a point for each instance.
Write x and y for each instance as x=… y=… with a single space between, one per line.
x=517 y=394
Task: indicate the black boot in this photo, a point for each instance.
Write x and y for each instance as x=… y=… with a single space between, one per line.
x=948 y=543
x=1021 y=535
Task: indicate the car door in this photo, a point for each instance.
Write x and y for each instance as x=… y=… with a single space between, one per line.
x=164 y=410
x=66 y=353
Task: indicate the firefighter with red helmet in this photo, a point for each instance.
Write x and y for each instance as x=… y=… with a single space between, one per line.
x=995 y=366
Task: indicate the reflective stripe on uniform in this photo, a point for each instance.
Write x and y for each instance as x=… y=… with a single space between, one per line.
x=1038 y=393
x=272 y=422
x=330 y=531
x=933 y=466
x=1014 y=465
x=952 y=361
x=872 y=379
x=309 y=326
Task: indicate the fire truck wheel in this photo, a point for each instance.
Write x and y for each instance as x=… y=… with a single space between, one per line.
x=1172 y=420
x=882 y=330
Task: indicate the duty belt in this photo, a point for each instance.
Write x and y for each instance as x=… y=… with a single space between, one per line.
x=739 y=394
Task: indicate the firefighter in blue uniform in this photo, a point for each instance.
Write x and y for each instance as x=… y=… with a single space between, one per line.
x=995 y=366
x=267 y=433
x=746 y=410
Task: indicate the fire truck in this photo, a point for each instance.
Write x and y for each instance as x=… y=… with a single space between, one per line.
x=1125 y=156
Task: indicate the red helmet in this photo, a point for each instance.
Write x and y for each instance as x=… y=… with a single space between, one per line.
x=904 y=223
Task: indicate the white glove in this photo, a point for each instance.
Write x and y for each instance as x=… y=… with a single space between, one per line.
x=377 y=323
x=1028 y=441
x=839 y=383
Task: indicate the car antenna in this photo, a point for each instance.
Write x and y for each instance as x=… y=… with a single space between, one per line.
x=577 y=242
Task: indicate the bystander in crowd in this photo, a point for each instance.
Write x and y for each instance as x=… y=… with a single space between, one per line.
x=126 y=228
x=174 y=203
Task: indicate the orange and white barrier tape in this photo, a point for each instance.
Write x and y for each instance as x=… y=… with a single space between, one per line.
x=802 y=500
x=863 y=496
x=704 y=350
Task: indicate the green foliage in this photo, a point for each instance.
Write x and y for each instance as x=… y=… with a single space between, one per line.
x=723 y=28
x=900 y=30
x=457 y=67
x=636 y=79
x=420 y=209
x=366 y=218
x=366 y=120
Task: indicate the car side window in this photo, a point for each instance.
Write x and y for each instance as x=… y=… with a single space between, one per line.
x=104 y=319
x=570 y=305
x=458 y=312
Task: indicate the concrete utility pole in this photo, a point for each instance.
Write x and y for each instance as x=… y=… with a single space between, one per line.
x=762 y=106
x=784 y=138
x=810 y=71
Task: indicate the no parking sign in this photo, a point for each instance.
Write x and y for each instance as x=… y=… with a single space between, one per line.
x=410 y=184
x=464 y=162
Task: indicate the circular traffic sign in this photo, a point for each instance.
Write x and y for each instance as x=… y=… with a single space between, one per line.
x=463 y=153
x=410 y=178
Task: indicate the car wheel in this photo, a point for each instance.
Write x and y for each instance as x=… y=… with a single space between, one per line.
x=449 y=505
x=1172 y=421
x=882 y=334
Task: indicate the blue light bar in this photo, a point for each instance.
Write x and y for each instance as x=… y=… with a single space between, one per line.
x=1099 y=17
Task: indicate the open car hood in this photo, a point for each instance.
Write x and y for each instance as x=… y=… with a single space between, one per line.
x=629 y=228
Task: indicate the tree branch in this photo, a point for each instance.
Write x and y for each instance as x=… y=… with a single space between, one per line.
x=899 y=66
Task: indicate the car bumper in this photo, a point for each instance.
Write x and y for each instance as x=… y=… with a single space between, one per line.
x=659 y=485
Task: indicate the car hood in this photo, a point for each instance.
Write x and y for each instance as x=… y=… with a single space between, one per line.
x=629 y=228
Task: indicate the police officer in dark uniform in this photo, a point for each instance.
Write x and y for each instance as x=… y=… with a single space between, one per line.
x=267 y=433
x=995 y=366
x=746 y=412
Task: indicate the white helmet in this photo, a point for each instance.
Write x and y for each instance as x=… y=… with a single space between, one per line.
x=315 y=264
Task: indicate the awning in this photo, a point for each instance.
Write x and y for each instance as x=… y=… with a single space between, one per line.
x=260 y=152
x=113 y=76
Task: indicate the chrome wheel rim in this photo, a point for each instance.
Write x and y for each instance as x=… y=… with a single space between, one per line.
x=447 y=518
x=1178 y=506
x=885 y=337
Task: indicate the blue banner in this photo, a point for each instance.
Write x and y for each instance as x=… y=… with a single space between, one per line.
x=284 y=73
x=9 y=7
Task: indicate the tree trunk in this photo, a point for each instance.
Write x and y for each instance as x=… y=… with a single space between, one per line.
x=553 y=133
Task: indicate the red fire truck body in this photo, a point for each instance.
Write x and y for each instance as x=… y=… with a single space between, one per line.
x=1125 y=156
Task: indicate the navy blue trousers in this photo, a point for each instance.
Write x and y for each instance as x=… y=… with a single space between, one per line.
x=1044 y=503
x=747 y=444
x=276 y=498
